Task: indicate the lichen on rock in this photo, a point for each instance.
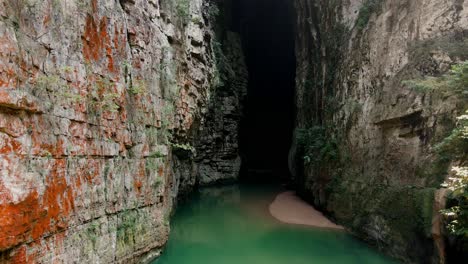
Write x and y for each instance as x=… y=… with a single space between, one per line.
x=94 y=95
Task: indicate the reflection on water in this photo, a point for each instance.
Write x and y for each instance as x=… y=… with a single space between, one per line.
x=232 y=225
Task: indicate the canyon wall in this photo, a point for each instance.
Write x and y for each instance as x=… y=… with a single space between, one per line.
x=373 y=167
x=100 y=105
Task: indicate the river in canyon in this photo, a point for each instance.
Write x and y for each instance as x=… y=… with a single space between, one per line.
x=232 y=225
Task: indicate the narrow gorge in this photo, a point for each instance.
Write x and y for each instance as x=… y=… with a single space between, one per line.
x=120 y=119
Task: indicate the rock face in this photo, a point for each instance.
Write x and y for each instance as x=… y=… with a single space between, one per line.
x=111 y=110
x=218 y=143
x=381 y=177
x=99 y=104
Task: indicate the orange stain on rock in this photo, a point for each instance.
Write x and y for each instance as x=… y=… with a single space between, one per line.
x=42 y=145
x=38 y=214
x=161 y=171
x=46 y=20
x=93 y=171
x=19 y=256
x=16 y=220
x=94 y=5
x=139 y=177
x=92 y=44
x=116 y=38
x=7 y=78
x=138 y=184
x=97 y=42
x=10 y=145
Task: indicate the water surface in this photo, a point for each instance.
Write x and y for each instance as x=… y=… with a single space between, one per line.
x=232 y=225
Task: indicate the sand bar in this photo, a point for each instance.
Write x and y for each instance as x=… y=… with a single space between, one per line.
x=289 y=208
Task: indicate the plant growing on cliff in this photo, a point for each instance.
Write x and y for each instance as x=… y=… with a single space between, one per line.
x=222 y=69
x=454 y=45
x=318 y=146
x=157 y=154
x=185 y=147
x=151 y=134
x=456 y=81
x=454 y=147
x=151 y=164
x=213 y=10
x=55 y=86
x=93 y=232
x=182 y=8
x=102 y=97
x=126 y=225
x=457 y=215
x=83 y=5
x=49 y=83
x=367 y=9
x=138 y=87
x=167 y=115
x=457 y=145
x=16 y=13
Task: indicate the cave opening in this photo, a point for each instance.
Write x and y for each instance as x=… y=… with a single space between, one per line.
x=267 y=31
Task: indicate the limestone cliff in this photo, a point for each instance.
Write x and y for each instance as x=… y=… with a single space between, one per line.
x=111 y=110
x=218 y=142
x=377 y=173
x=99 y=104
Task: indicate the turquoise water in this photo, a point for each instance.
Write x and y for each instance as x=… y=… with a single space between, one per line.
x=232 y=225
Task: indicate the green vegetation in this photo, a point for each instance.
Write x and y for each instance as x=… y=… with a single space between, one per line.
x=367 y=9
x=138 y=87
x=457 y=145
x=49 y=83
x=55 y=86
x=135 y=86
x=222 y=63
x=456 y=81
x=167 y=115
x=151 y=163
x=126 y=225
x=213 y=10
x=182 y=8
x=223 y=70
x=457 y=215
x=15 y=10
x=83 y=5
x=151 y=134
x=319 y=147
x=108 y=102
x=454 y=45
x=102 y=96
x=158 y=181
x=317 y=141
x=454 y=148
x=197 y=20
x=185 y=147
x=93 y=232
x=157 y=154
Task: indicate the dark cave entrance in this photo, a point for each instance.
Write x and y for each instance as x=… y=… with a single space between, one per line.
x=267 y=31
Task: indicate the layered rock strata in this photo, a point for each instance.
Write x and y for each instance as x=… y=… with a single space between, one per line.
x=99 y=102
